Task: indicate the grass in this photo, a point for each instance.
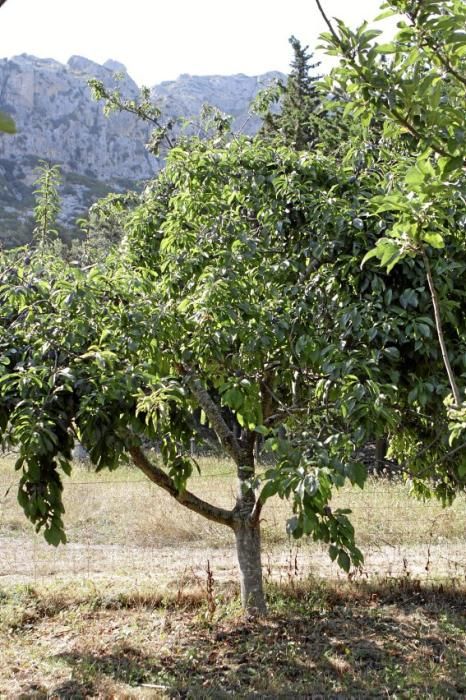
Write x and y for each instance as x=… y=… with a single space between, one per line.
x=386 y=639
x=125 y=609
x=105 y=507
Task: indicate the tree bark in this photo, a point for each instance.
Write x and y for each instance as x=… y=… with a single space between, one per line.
x=246 y=513
x=247 y=533
x=186 y=498
x=248 y=550
x=380 y=452
x=439 y=326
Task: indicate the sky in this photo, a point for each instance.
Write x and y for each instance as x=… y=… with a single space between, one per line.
x=160 y=39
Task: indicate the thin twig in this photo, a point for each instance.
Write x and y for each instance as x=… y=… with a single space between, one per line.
x=438 y=326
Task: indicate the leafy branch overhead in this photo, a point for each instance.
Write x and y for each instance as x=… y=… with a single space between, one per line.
x=418 y=83
x=144 y=109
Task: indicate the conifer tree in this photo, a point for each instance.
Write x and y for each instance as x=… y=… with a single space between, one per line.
x=297 y=121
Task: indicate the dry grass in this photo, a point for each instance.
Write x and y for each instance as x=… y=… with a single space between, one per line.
x=354 y=640
x=109 y=507
x=120 y=525
x=123 y=610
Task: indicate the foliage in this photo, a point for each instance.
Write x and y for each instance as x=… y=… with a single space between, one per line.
x=47 y=204
x=234 y=271
x=298 y=118
x=419 y=92
x=238 y=294
x=102 y=229
x=143 y=108
x=7 y=124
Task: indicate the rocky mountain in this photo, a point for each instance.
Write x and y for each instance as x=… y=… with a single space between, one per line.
x=58 y=121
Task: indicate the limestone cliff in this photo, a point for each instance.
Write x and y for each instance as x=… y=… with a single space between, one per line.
x=58 y=121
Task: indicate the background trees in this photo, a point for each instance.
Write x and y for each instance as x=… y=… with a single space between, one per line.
x=297 y=119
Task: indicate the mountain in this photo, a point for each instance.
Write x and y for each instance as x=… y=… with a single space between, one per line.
x=58 y=121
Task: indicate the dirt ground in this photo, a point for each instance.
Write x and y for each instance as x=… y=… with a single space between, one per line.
x=28 y=559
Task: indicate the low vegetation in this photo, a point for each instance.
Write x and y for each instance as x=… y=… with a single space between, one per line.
x=166 y=622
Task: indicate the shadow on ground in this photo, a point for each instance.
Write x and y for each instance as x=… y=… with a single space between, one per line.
x=369 y=643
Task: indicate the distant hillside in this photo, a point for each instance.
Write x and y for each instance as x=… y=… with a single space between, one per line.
x=58 y=121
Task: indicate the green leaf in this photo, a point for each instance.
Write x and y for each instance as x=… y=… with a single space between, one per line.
x=292 y=525
x=409 y=298
x=385 y=14
x=344 y=561
x=414 y=176
x=54 y=536
x=452 y=164
x=358 y=474
x=424 y=330
x=434 y=239
x=386 y=48
x=233 y=398
x=392 y=352
x=269 y=490
x=389 y=253
x=373 y=253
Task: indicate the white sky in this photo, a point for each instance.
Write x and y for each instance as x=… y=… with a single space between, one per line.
x=159 y=39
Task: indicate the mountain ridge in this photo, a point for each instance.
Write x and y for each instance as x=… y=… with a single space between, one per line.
x=58 y=121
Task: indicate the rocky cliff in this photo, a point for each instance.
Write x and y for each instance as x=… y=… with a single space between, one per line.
x=58 y=121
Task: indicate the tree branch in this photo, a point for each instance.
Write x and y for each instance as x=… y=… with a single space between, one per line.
x=256 y=512
x=329 y=24
x=444 y=60
x=186 y=498
x=403 y=120
x=434 y=46
x=438 y=325
x=212 y=411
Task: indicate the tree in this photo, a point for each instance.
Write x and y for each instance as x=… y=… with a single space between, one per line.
x=297 y=121
x=47 y=205
x=102 y=229
x=200 y=309
x=238 y=285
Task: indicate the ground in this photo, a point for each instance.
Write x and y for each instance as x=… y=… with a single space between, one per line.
x=353 y=640
x=143 y=600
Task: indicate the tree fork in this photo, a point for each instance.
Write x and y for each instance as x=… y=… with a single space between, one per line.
x=186 y=498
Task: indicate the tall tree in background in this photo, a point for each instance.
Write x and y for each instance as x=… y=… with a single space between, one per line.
x=297 y=121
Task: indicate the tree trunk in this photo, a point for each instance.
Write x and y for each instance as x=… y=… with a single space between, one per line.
x=248 y=549
x=380 y=452
x=247 y=532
